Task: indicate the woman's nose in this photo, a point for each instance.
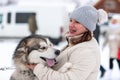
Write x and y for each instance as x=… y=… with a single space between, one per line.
x=71 y=24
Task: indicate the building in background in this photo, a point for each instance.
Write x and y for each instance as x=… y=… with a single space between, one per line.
x=50 y=17
x=111 y=6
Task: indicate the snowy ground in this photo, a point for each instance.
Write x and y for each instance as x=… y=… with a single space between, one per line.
x=7 y=48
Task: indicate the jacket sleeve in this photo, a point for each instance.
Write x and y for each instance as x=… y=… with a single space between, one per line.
x=83 y=63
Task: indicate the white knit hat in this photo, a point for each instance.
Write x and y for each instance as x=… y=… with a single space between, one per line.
x=89 y=16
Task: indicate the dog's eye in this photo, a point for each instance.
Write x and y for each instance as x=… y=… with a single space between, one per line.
x=43 y=48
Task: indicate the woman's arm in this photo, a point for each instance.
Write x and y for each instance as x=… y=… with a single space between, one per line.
x=82 y=66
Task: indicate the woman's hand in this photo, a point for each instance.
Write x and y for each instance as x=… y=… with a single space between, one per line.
x=31 y=66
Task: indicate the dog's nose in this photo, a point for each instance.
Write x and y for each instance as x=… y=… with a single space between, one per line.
x=57 y=52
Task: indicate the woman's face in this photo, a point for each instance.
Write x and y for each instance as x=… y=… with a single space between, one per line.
x=75 y=28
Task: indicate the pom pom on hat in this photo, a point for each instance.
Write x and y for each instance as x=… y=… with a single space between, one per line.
x=102 y=16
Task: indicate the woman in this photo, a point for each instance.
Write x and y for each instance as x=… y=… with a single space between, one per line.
x=80 y=60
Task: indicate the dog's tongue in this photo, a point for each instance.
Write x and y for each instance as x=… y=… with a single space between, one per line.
x=50 y=62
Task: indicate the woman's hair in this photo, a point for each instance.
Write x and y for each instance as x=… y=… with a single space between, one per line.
x=85 y=37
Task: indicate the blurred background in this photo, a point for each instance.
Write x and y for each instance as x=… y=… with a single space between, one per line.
x=50 y=18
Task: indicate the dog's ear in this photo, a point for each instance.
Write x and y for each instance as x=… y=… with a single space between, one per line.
x=22 y=46
x=49 y=42
x=21 y=49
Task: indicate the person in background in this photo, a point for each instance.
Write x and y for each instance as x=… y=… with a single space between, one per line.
x=112 y=37
x=80 y=59
x=97 y=35
x=32 y=24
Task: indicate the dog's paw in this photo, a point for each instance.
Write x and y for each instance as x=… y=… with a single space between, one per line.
x=67 y=66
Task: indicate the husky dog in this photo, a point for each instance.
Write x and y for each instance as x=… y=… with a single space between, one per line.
x=33 y=49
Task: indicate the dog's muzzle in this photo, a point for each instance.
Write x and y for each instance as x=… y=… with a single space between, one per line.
x=51 y=62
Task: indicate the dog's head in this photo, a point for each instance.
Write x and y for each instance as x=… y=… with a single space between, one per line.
x=35 y=49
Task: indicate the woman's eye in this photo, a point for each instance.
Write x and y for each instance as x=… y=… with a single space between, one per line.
x=76 y=21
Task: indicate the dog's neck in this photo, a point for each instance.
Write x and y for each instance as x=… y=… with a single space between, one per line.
x=27 y=72
x=24 y=70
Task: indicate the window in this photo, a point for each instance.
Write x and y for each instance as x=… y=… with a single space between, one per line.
x=9 y=18
x=23 y=17
x=110 y=5
x=1 y=18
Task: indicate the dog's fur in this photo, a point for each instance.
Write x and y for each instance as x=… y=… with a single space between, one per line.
x=31 y=50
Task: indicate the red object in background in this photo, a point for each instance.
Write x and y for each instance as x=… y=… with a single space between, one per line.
x=119 y=53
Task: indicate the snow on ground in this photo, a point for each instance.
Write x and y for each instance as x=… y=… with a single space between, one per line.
x=7 y=48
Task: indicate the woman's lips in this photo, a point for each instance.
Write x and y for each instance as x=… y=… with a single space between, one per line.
x=72 y=31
